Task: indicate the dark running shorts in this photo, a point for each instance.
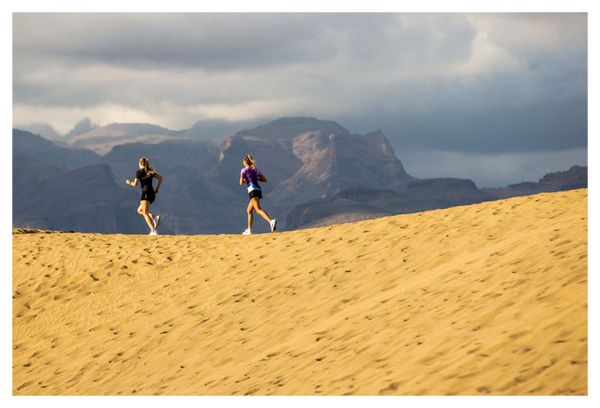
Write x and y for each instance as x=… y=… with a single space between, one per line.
x=255 y=193
x=148 y=196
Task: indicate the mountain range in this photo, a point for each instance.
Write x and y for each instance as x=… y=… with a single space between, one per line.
x=574 y=178
x=101 y=139
x=319 y=173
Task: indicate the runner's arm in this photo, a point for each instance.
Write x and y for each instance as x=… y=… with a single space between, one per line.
x=132 y=183
x=160 y=180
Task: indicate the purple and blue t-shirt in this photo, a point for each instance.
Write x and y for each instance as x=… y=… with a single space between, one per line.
x=250 y=176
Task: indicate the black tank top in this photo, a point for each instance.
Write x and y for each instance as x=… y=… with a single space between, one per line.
x=145 y=179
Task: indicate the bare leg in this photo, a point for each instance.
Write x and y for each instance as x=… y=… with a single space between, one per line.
x=143 y=211
x=256 y=204
x=250 y=215
x=151 y=216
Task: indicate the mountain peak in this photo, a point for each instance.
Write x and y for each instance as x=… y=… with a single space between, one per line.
x=294 y=120
x=309 y=122
x=287 y=128
x=83 y=126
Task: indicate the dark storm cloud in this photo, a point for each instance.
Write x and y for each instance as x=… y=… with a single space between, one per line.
x=479 y=83
x=548 y=126
x=206 y=40
x=243 y=41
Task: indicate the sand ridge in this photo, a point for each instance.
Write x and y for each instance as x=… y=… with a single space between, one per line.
x=487 y=299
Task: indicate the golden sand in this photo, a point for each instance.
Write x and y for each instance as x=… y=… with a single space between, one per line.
x=482 y=299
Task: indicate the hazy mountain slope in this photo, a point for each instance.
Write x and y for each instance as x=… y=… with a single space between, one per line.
x=573 y=178
x=85 y=199
x=44 y=130
x=102 y=139
x=37 y=148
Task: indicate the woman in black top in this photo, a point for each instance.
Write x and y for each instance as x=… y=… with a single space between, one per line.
x=144 y=175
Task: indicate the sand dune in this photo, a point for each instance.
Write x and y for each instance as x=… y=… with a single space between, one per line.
x=487 y=299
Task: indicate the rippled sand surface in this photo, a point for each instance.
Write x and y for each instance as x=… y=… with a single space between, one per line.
x=488 y=299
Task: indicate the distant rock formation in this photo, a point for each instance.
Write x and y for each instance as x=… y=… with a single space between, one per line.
x=308 y=158
x=103 y=139
x=38 y=148
x=84 y=126
x=575 y=177
x=213 y=129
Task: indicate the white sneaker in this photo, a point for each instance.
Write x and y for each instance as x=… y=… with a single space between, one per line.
x=153 y=233
x=248 y=231
x=156 y=221
x=273 y=224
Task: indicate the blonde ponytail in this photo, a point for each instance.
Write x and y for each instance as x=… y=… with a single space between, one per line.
x=249 y=160
x=147 y=167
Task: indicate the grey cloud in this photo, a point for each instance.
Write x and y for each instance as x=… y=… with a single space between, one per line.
x=241 y=41
x=178 y=45
x=553 y=125
x=207 y=40
x=463 y=82
x=533 y=31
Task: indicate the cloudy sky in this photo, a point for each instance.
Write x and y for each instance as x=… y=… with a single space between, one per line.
x=498 y=98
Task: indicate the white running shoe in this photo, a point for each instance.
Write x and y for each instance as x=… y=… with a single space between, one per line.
x=153 y=233
x=273 y=224
x=248 y=231
x=156 y=221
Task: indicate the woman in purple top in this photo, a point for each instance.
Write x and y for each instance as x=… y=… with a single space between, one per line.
x=251 y=176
